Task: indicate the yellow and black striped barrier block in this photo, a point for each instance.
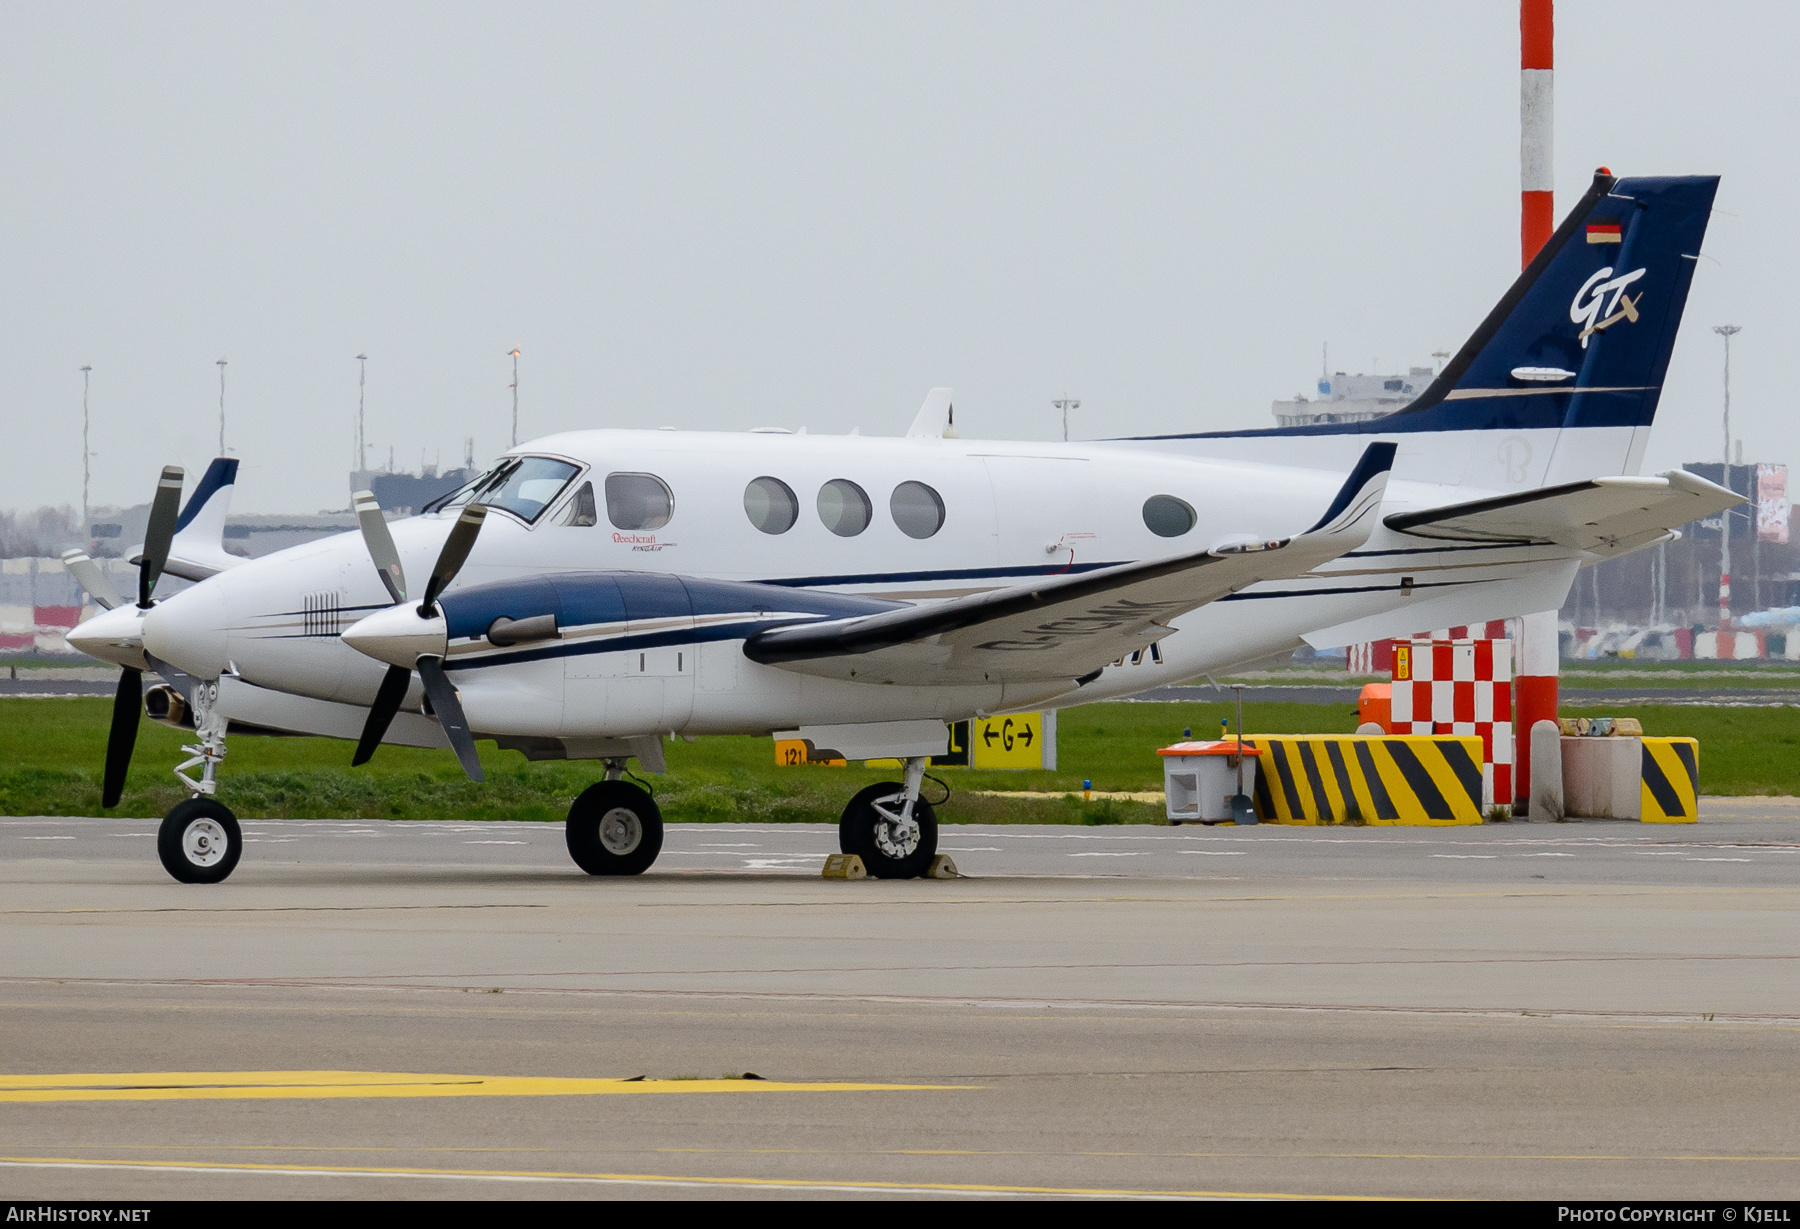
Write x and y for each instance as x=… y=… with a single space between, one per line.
x=1671 y=792
x=1349 y=778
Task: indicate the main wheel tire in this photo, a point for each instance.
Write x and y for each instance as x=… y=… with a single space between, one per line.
x=888 y=851
x=199 y=841
x=614 y=828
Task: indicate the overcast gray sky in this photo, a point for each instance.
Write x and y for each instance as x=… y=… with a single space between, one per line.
x=733 y=215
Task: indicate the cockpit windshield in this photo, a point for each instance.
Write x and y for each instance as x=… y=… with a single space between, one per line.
x=523 y=486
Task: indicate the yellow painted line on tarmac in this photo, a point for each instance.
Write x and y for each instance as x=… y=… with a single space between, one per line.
x=280 y=1085
x=1029 y=1153
x=265 y=909
x=615 y=1179
x=1220 y=1156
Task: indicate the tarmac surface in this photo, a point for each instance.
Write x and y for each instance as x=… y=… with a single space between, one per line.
x=452 y=1010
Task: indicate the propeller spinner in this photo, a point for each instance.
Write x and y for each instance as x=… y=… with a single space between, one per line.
x=413 y=638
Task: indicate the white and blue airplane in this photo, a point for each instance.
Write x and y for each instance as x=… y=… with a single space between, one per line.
x=599 y=591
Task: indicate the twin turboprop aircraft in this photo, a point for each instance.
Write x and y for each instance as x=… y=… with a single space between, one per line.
x=598 y=591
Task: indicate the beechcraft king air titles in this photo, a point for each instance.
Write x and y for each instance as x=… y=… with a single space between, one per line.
x=598 y=591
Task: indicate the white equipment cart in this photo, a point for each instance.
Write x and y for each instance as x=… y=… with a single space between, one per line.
x=1209 y=782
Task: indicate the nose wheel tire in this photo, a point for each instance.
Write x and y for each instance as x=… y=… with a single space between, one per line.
x=891 y=848
x=199 y=841
x=614 y=828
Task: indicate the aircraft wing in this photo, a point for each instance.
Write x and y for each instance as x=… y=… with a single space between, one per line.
x=1602 y=516
x=1067 y=627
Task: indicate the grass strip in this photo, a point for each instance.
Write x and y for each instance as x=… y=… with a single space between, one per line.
x=51 y=751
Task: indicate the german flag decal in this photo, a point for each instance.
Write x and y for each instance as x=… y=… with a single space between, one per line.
x=1604 y=232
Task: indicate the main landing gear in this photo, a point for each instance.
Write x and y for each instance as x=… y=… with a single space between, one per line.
x=199 y=841
x=891 y=828
x=614 y=828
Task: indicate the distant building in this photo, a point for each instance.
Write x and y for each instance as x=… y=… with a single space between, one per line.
x=404 y=494
x=249 y=534
x=258 y=535
x=1343 y=397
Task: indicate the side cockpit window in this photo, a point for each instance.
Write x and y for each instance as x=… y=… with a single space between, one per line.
x=581 y=509
x=638 y=501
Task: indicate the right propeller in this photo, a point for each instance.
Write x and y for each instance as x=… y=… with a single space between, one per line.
x=421 y=643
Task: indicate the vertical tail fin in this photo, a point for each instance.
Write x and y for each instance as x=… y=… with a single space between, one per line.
x=198 y=550
x=1583 y=337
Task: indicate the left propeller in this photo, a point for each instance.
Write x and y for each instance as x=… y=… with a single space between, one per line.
x=413 y=638
x=119 y=637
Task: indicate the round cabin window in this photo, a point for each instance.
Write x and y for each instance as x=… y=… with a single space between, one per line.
x=844 y=507
x=770 y=505
x=1168 y=517
x=917 y=509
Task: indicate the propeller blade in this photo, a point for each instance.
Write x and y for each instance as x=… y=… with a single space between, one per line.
x=381 y=714
x=450 y=714
x=381 y=545
x=455 y=553
x=165 y=509
x=88 y=574
x=128 y=706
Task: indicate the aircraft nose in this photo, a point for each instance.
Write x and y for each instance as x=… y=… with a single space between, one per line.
x=399 y=636
x=114 y=635
x=188 y=630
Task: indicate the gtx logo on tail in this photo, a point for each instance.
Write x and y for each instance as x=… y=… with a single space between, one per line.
x=1585 y=310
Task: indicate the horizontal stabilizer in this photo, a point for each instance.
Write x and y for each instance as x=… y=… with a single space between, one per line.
x=1603 y=516
x=1068 y=627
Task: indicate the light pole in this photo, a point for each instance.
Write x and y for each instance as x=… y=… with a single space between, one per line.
x=221 y=407
x=515 y=393
x=1726 y=331
x=84 y=451
x=362 y=438
x=1065 y=405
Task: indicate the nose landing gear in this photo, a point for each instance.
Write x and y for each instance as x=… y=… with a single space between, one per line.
x=199 y=841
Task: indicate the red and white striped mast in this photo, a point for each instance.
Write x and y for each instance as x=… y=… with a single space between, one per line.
x=1726 y=331
x=1537 y=110
x=1539 y=653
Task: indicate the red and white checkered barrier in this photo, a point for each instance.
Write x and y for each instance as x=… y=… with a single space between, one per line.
x=1371 y=657
x=1377 y=656
x=1459 y=686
